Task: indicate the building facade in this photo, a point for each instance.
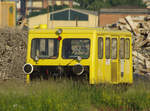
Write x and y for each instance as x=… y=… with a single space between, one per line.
x=67 y=17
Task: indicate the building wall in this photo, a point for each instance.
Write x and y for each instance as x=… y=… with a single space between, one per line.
x=110 y=16
x=62 y=2
x=7 y=14
x=105 y=19
x=37 y=4
x=45 y=3
x=93 y=21
x=40 y=19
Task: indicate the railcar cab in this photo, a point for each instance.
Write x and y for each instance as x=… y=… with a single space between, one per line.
x=98 y=55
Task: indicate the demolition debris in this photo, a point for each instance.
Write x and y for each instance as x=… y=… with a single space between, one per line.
x=140 y=28
x=13 y=45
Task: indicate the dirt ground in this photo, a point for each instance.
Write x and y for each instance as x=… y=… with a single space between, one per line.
x=13 y=45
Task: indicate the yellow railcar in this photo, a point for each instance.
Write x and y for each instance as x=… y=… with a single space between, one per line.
x=100 y=55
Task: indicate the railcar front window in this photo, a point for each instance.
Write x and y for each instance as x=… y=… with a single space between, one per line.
x=76 y=47
x=45 y=48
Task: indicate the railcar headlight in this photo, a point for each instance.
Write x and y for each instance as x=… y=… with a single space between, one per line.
x=27 y=68
x=78 y=69
x=59 y=31
x=36 y=58
x=79 y=58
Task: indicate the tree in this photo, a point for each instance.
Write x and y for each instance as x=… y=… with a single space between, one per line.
x=97 y=4
x=138 y=3
x=84 y=3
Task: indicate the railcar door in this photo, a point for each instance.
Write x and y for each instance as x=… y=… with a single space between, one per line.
x=127 y=60
x=122 y=58
x=107 y=75
x=114 y=60
x=100 y=59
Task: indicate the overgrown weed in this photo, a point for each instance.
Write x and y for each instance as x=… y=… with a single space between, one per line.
x=68 y=95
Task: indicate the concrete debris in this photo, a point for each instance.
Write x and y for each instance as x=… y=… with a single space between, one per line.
x=140 y=28
x=13 y=44
x=132 y=25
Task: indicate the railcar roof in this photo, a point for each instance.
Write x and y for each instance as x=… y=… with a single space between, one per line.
x=79 y=30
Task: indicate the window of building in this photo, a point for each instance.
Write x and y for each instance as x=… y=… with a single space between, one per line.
x=69 y=15
x=60 y=15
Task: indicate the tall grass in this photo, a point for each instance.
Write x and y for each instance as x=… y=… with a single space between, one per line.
x=68 y=95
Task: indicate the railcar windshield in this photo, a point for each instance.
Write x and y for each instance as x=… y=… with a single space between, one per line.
x=76 y=47
x=44 y=48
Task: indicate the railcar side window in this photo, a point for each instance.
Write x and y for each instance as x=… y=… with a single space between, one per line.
x=107 y=48
x=127 y=49
x=44 y=48
x=114 y=48
x=100 y=48
x=122 y=48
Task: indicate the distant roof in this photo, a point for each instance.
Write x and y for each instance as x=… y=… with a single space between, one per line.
x=125 y=11
x=78 y=10
x=127 y=7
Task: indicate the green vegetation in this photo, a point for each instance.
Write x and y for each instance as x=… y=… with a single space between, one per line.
x=67 y=95
x=97 y=4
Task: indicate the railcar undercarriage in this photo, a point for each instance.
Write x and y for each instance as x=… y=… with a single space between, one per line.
x=57 y=72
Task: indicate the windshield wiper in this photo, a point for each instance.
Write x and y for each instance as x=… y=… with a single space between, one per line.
x=78 y=58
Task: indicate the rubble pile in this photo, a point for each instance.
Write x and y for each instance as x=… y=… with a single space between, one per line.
x=13 y=44
x=140 y=28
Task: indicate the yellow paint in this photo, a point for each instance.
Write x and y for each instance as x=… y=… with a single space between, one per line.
x=101 y=70
x=7 y=14
x=28 y=78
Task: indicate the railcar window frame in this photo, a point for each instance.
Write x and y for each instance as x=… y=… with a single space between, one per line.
x=113 y=49
x=76 y=39
x=100 y=49
x=127 y=57
x=122 y=48
x=57 y=52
